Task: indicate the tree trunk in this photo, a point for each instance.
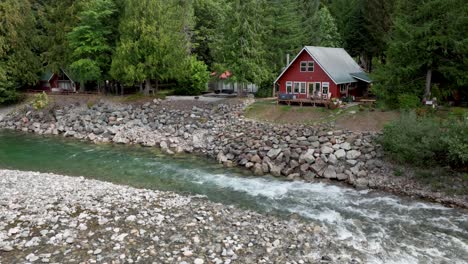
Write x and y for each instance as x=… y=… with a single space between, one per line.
x=141 y=87
x=156 y=88
x=82 y=86
x=427 y=91
x=147 y=87
x=121 y=89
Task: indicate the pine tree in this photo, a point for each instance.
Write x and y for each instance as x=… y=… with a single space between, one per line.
x=286 y=31
x=429 y=40
x=208 y=15
x=55 y=19
x=327 y=34
x=241 y=47
x=153 y=42
x=19 y=64
x=90 y=41
x=308 y=10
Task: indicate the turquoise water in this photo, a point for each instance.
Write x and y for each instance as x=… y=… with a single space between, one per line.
x=384 y=228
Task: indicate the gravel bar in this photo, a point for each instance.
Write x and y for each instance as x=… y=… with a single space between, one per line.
x=49 y=218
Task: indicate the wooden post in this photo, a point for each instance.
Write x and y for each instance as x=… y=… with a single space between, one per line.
x=427 y=92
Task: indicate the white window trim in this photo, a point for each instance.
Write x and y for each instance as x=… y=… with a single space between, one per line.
x=326 y=84
x=300 y=66
x=289 y=83
x=300 y=85
x=313 y=66
x=343 y=88
x=303 y=84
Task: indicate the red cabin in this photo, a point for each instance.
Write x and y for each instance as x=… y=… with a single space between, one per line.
x=57 y=82
x=324 y=73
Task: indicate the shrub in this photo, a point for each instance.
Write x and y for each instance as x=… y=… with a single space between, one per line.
x=426 y=140
x=40 y=101
x=265 y=90
x=9 y=96
x=408 y=101
x=196 y=82
x=456 y=140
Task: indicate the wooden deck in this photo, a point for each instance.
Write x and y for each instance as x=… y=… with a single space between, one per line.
x=301 y=102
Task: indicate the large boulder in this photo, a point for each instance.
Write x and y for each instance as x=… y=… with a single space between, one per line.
x=340 y=154
x=326 y=150
x=308 y=156
x=353 y=154
x=346 y=146
x=330 y=172
x=257 y=169
x=273 y=153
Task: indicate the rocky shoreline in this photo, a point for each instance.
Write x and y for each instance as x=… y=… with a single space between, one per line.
x=48 y=218
x=221 y=132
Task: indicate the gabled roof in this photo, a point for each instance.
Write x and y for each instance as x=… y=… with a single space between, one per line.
x=47 y=75
x=336 y=63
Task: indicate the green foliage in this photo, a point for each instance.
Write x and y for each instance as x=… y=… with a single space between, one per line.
x=408 y=101
x=153 y=44
x=19 y=64
x=56 y=18
x=284 y=22
x=427 y=35
x=264 y=90
x=41 y=101
x=327 y=34
x=208 y=14
x=241 y=47
x=196 y=81
x=90 y=40
x=456 y=140
x=307 y=11
x=427 y=141
x=9 y=96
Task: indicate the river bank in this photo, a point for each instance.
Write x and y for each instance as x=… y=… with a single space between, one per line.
x=54 y=218
x=219 y=131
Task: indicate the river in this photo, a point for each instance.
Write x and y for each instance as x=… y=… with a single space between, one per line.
x=383 y=227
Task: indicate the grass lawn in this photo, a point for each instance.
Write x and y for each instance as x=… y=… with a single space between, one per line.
x=351 y=118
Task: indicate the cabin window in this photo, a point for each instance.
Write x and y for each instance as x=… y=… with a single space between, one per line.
x=310 y=66
x=325 y=88
x=303 y=66
x=288 y=87
x=303 y=88
x=343 y=88
x=297 y=87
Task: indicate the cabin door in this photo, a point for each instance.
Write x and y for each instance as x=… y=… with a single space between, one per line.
x=310 y=89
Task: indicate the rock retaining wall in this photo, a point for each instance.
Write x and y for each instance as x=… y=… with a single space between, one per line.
x=219 y=131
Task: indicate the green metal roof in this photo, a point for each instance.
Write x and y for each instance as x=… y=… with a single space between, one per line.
x=361 y=76
x=336 y=62
x=47 y=75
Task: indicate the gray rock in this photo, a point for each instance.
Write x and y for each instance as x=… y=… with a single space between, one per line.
x=346 y=146
x=330 y=172
x=340 y=154
x=257 y=169
x=273 y=153
x=353 y=154
x=326 y=150
x=308 y=156
x=342 y=176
